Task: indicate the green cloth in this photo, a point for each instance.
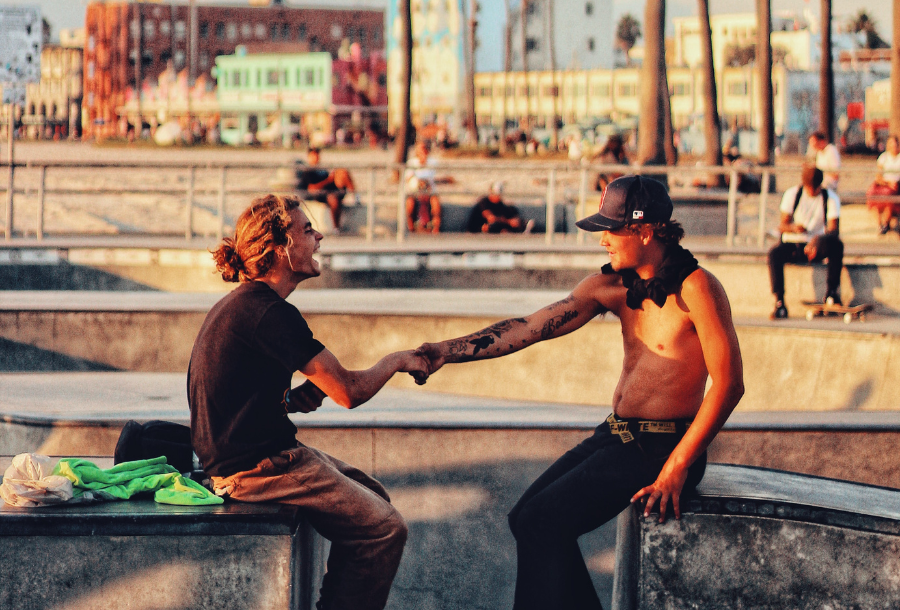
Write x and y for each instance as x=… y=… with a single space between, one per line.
x=124 y=480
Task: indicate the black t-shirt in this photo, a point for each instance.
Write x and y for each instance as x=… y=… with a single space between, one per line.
x=497 y=208
x=310 y=175
x=248 y=348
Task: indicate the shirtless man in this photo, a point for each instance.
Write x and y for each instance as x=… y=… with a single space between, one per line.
x=677 y=331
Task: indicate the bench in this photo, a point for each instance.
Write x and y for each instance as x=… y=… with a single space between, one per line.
x=104 y=556
x=760 y=538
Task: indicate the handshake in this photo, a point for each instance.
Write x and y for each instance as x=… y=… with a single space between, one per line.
x=420 y=363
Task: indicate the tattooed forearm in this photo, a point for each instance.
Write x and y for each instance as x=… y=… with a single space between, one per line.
x=458 y=349
x=557 y=322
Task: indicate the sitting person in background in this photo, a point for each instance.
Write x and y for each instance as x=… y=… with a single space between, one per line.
x=810 y=217
x=887 y=184
x=492 y=215
x=612 y=153
x=828 y=159
x=326 y=186
x=423 y=207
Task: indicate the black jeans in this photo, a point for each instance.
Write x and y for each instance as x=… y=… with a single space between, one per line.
x=830 y=247
x=581 y=491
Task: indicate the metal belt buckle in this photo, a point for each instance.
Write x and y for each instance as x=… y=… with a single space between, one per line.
x=619 y=428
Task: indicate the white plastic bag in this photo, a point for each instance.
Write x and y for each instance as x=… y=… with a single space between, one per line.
x=24 y=482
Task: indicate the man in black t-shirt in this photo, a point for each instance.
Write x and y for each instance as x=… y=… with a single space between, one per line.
x=317 y=183
x=492 y=215
x=239 y=392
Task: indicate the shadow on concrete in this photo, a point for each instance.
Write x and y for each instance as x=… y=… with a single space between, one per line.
x=21 y=357
x=64 y=276
x=460 y=552
x=860 y=395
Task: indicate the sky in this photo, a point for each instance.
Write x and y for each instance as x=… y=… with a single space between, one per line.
x=70 y=14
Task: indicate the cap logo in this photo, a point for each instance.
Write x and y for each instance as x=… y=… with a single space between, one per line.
x=637 y=215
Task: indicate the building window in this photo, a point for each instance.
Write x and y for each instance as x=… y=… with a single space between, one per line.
x=627 y=90
x=309 y=77
x=260 y=30
x=231 y=32
x=591 y=44
x=285 y=31
x=681 y=89
x=600 y=90
x=246 y=31
x=336 y=31
x=220 y=31
x=179 y=60
x=737 y=89
x=301 y=31
x=589 y=8
x=272 y=78
x=204 y=30
x=273 y=32
x=204 y=59
x=149 y=29
x=164 y=28
x=484 y=91
x=531 y=44
x=236 y=78
x=180 y=30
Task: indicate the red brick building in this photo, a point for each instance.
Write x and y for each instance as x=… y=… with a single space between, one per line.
x=128 y=42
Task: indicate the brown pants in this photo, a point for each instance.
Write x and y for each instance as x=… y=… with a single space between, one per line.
x=346 y=506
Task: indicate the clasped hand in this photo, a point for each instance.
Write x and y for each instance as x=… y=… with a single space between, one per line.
x=431 y=354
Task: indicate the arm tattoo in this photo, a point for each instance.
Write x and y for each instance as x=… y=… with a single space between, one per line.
x=557 y=322
x=566 y=300
x=457 y=349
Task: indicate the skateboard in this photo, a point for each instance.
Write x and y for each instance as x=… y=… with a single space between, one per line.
x=816 y=309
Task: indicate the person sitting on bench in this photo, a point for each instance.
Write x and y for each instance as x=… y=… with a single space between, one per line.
x=317 y=183
x=810 y=217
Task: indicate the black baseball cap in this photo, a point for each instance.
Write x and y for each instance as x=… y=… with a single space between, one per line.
x=629 y=200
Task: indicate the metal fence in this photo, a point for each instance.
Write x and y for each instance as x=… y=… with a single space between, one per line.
x=90 y=198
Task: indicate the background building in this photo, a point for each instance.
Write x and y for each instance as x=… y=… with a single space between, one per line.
x=583 y=32
x=53 y=105
x=190 y=37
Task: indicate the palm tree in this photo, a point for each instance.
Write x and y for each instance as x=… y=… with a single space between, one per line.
x=826 y=75
x=523 y=25
x=764 y=67
x=712 y=130
x=554 y=88
x=862 y=23
x=628 y=30
x=895 y=72
x=404 y=129
x=652 y=128
x=471 y=23
x=507 y=68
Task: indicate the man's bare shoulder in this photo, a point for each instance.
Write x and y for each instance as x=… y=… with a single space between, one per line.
x=605 y=289
x=701 y=288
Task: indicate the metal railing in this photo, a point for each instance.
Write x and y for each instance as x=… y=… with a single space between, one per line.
x=222 y=180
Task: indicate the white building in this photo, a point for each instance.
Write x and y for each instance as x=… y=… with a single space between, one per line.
x=792 y=37
x=583 y=34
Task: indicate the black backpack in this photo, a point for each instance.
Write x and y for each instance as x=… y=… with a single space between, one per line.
x=154 y=439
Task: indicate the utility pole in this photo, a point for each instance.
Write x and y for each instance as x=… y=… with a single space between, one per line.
x=472 y=127
x=138 y=44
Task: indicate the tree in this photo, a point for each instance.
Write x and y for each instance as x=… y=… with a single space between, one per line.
x=712 y=130
x=471 y=23
x=826 y=75
x=764 y=70
x=507 y=68
x=404 y=129
x=628 y=31
x=554 y=87
x=895 y=72
x=862 y=23
x=652 y=128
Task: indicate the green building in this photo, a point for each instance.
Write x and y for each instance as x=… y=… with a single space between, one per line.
x=268 y=97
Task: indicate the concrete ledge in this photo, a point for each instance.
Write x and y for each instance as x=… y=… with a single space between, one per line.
x=105 y=556
x=764 y=539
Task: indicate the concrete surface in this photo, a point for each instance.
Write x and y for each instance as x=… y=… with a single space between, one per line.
x=764 y=539
x=871 y=275
x=792 y=366
x=454 y=465
x=140 y=555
